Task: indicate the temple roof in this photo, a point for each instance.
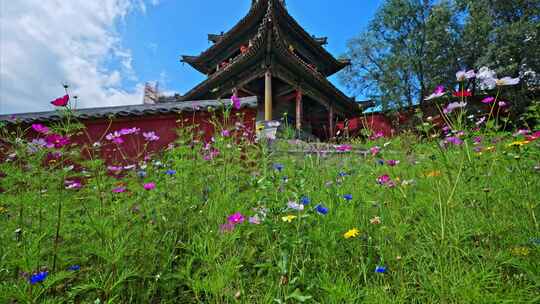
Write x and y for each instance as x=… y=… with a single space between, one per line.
x=229 y=42
x=170 y=106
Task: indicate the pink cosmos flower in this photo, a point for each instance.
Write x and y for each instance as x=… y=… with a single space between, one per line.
x=439 y=92
x=228 y=227
x=454 y=105
x=149 y=186
x=375 y=150
x=236 y=102
x=503 y=104
x=56 y=141
x=129 y=131
x=534 y=136
x=119 y=190
x=255 y=220
x=61 y=102
x=488 y=100
x=377 y=135
x=236 y=218
x=150 y=136
x=384 y=179
x=343 y=148
x=481 y=121
x=225 y=133
x=74 y=185
x=40 y=128
x=522 y=132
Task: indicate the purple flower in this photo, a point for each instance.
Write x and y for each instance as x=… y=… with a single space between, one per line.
x=454 y=105
x=129 y=131
x=225 y=133
x=392 y=162
x=38 y=277
x=454 y=140
x=255 y=220
x=321 y=209
x=236 y=102
x=477 y=140
x=503 y=104
x=481 y=121
x=295 y=206
x=488 y=100
x=150 y=136
x=40 y=128
x=228 y=227
x=236 y=218
x=380 y=269
x=72 y=185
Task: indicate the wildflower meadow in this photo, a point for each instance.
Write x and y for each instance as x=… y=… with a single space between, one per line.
x=441 y=214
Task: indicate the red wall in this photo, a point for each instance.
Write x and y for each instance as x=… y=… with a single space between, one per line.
x=374 y=122
x=164 y=125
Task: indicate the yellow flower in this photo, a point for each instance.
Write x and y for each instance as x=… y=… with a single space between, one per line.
x=490 y=148
x=3 y=210
x=351 y=233
x=518 y=143
x=288 y=218
x=520 y=251
x=433 y=174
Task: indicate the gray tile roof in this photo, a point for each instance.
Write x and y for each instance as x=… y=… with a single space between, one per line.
x=128 y=111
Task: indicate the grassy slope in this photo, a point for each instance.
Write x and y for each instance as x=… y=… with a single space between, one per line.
x=466 y=235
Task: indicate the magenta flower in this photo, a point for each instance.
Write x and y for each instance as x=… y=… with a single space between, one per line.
x=343 y=148
x=377 y=135
x=392 y=163
x=56 y=141
x=236 y=218
x=384 y=179
x=72 y=185
x=40 y=128
x=236 y=102
x=488 y=100
x=149 y=186
x=119 y=190
x=477 y=140
x=150 y=136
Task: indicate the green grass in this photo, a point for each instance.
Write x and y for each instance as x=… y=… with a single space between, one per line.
x=459 y=227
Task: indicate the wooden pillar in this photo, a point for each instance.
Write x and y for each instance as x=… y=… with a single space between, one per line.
x=268 y=96
x=331 y=121
x=299 y=110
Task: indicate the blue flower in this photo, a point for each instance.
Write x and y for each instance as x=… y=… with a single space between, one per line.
x=74 y=268
x=380 y=161
x=141 y=174
x=38 y=277
x=321 y=209
x=347 y=197
x=279 y=167
x=342 y=174
x=380 y=269
x=305 y=200
x=170 y=172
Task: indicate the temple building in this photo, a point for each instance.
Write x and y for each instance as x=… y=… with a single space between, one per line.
x=269 y=55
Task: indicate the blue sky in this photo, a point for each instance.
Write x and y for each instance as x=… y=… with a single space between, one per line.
x=176 y=28
x=107 y=49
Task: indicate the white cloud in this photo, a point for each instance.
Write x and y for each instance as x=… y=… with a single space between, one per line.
x=44 y=43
